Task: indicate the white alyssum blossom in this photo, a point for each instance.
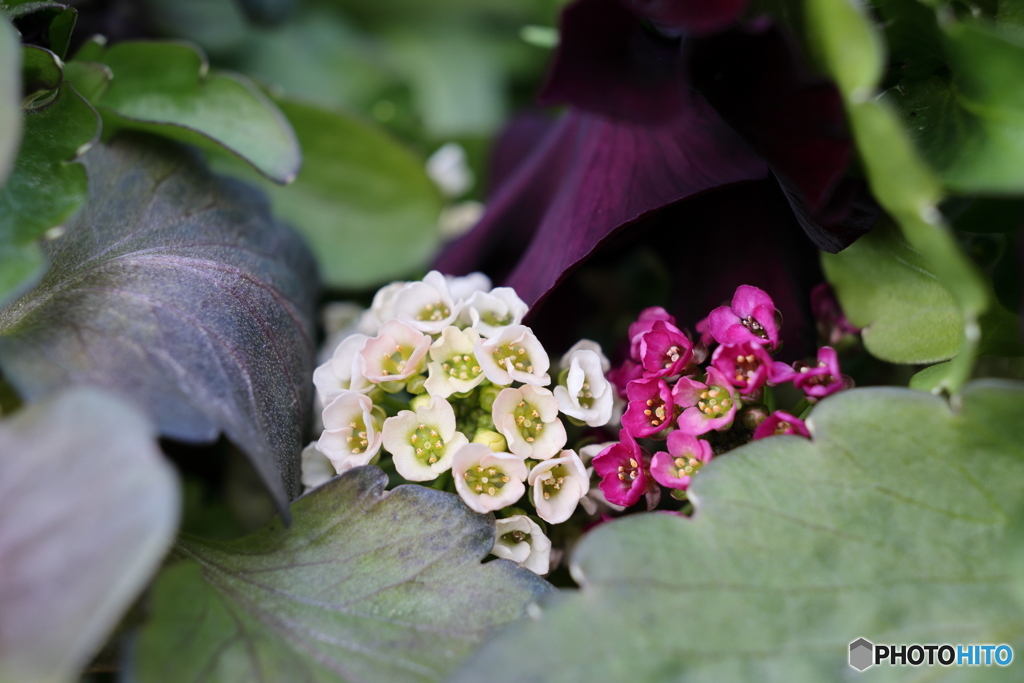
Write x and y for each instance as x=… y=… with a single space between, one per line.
x=520 y=539
x=514 y=355
x=340 y=319
x=587 y=395
x=397 y=353
x=423 y=442
x=528 y=419
x=343 y=371
x=449 y=169
x=488 y=481
x=453 y=367
x=462 y=287
x=317 y=469
x=558 y=484
x=381 y=310
x=458 y=219
x=351 y=434
x=490 y=312
x=427 y=305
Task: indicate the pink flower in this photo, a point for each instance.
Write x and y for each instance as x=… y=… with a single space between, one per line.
x=645 y=323
x=781 y=423
x=708 y=406
x=686 y=455
x=822 y=379
x=623 y=468
x=651 y=407
x=747 y=365
x=621 y=376
x=663 y=350
x=750 y=318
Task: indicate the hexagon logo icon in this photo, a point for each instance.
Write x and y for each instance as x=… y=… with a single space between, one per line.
x=861 y=654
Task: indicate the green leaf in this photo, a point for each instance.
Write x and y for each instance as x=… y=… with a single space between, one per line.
x=167 y=89
x=177 y=290
x=886 y=526
x=42 y=72
x=10 y=98
x=970 y=126
x=364 y=586
x=43 y=190
x=91 y=79
x=886 y=287
x=88 y=508
x=363 y=200
x=851 y=48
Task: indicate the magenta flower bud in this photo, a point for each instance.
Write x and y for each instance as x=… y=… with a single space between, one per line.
x=621 y=376
x=781 y=423
x=751 y=317
x=651 y=407
x=752 y=416
x=623 y=468
x=832 y=323
x=746 y=365
x=824 y=378
x=686 y=455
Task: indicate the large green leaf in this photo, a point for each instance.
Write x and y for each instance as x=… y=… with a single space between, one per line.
x=167 y=89
x=88 y=508
x=851 y=49
x=363 y=200
x=43 y=189
x=887 y=288
x=886 y=526
x=969 y=121
x=10 y=96
x=179 y=291
x=365 y=586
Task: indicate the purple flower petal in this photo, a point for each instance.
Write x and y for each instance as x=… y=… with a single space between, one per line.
x=609 y=63
x=694 y=16
x=755 y=79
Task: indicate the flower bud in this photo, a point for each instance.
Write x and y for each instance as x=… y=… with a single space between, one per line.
x=493 y=440
x=421 y=401
x=416 y=385
x=753 y=415
x=487 y=396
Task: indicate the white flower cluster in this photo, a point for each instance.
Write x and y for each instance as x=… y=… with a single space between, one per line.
x=442 y=375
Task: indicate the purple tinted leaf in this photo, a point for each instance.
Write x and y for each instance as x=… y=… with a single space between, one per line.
x=177 y=290
x=523 y=134
x=693 y=16
x=609 y=63
x=850 y=212
x=754 y=78
x=608 y=174
x=365 y=586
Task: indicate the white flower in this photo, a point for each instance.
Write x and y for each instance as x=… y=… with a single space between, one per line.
x=587 y=453
x=351 y=437
x=381 y=310
x=558 y=484
x=587 y=395
x=453 y=365
x=458 y=219
x=316 y=468
x=397 y=353
x=343 y=371
x=427 y=306
x=490 y=312
x=518 y=538
x=486 y=480
x=340 y=319
x=464 y=286
x=448 y=168
x=586 y=345
x=514 y=355
x=423 y=442
x=528 y=419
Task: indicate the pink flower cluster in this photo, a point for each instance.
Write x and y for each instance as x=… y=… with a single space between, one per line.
x=676 y=400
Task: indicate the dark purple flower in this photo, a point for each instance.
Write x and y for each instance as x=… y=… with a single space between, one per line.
x=781 y=423
x=677 y=467
x=651 y=407
x=623 y=468
x=823 y=378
